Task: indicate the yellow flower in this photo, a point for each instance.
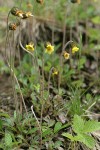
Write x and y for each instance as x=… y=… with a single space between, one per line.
x=49 y=48
x=27 y=15
x=66 y=55
x=75 y=49
x=19 y=13
x=30 y=47
x=54 y=71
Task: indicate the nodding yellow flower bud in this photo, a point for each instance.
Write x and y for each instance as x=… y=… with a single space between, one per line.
x=12 y=26
x=66 y=55
x=54 y=71
x=76 y=1
x=19 y=13
x=75 y=49
x=30 y=47
x=16 y=12
x=27 y=15
x=49 y=48
x=40 y=1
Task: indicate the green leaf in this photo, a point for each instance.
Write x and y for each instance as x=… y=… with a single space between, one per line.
x=4 y=115
x=1 y=146
x=65 y=125
x=31 y=131
x=94 y=33
x=8 y=139
x=57 y=144
x=83 y=138
x=76 y=105
x=57 y=127
x=87 y=140
x=1 y=124
x=91 y=126
x=78 y=137
x=51 y=123
x=88 y=97
x=68 y=136
x=78 y=124
x=20 y=137
x=82 y=61
x=47 y=132
x=96 y=19
x=71 y=137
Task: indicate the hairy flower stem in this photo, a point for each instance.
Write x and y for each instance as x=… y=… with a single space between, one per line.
x=7 y=37
x=12 y=71
x=10 y=65
x=11 y=60
x=42 y=97
x=35 y=61
x=49 y=80
x=39 y=125
x=61 y=64
x=13 y=79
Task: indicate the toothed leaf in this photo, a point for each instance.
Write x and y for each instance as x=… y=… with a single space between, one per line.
x=78 y=124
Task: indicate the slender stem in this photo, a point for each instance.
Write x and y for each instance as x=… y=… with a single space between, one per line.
x=18 y=87
x=31 y=55
x=61 y=63
x=37 y=65
x=42 y=94
x=19 y=56
x=7 y=30
x=10 y=64
x=49 y=79
x=12 y=67
x=42 y=90
x=63 y=47
x=69 y=42
x=36 y=118
x=25 y=49
x=38 y=125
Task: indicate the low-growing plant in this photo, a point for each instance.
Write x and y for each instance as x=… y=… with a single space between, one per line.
x=82 y=131
x=51 y=96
